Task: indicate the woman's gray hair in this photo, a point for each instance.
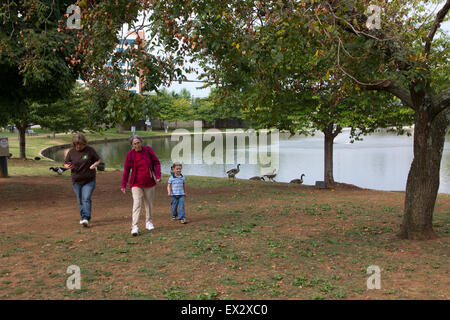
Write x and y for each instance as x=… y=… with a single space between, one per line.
x=135 y=137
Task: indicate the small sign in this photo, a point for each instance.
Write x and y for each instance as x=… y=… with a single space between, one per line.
x=4 y=147
x=4 y=143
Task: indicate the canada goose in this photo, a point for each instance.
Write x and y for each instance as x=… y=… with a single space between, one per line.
x=298 y=181
x=271 y=176
x=257 y=178
x=58 y=170
x=232 y=172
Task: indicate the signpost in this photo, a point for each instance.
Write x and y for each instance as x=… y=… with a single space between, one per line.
x=4 y=153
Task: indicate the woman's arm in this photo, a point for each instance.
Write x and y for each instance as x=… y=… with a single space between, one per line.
x=95 y=157
x=126 y=172
x=95 y=164
x=68 y=161
x=156 y=163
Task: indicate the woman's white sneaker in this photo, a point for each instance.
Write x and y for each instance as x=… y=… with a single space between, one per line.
x=134 y=231
x=84 y=222
x=149 y=226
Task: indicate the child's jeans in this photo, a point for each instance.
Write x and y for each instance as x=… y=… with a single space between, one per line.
x=177 y=205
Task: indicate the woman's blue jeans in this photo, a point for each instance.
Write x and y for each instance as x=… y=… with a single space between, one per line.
x=177 y=205
x=84 y=193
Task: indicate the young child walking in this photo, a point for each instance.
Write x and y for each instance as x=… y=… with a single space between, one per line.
x=177 y=192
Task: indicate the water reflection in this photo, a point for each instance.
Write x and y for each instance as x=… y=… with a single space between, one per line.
x=381 y=161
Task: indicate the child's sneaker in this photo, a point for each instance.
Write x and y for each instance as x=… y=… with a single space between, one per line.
x=183 y=221
x=174 y=218
x=84 y=222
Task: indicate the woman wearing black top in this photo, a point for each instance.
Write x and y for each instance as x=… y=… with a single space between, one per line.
x=82 y=160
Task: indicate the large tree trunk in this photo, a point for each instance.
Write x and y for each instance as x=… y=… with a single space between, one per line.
x=328 y=160
x=22 y=130
x=423 y=178
x=328 y=153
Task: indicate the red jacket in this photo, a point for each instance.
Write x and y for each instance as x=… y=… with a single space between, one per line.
x=130 y=164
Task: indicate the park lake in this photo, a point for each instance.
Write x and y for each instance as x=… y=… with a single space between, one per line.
x=380 y=161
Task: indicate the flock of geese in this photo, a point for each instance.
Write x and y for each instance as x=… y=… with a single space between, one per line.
x=271 y=176
x=231 y=174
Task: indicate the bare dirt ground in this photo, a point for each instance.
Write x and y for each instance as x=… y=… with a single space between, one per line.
x=244 y=240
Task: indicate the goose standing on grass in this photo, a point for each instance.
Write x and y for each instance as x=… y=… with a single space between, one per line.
x=271 y=176
x=233 y=172
x=257 y=178
x=58 y=170
x=298 y=181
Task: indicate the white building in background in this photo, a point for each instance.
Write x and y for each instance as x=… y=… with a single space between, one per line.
x=124 y=44
x=129 y=41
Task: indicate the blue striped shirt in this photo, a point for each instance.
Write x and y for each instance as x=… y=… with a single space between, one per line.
x=177 y=185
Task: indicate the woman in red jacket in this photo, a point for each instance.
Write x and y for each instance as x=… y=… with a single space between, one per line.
x=145 y=172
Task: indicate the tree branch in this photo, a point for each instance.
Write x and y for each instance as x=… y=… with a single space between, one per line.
x=389 y=86
x=349 y=27
x=442 y=100
x=437 y=23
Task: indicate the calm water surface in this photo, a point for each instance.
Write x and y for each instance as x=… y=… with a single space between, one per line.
x=381 y=161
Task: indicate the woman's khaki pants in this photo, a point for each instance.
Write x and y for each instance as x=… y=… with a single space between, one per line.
x=145 y=195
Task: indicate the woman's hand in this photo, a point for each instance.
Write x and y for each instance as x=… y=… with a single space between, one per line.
x=158 y=180
x=123 y=190
x=94 y=165
x=68 y=165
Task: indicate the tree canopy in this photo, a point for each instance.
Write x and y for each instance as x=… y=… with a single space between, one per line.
x=33 y=60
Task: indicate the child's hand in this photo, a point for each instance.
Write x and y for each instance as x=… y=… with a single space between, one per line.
x=169 y=194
